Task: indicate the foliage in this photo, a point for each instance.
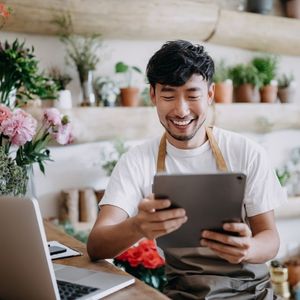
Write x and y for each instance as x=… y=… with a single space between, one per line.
x=144 y=262
x=22 y=143
x=13 y=178
x=113 y=157
x=127 y=70
x=61 y=79
x=266 y=67
x=81 y=50
x=19 y=70
x=82 y=236
x=222 y=72
x=107 y=89
x=285 y=80
x=242 y=73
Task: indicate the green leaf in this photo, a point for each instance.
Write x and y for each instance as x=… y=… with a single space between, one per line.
x=121 y=67
x=137 y=69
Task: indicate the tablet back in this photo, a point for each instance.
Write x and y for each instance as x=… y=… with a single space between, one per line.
x=209 y=201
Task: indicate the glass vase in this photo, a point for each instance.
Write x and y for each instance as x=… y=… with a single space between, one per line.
x=88 y=95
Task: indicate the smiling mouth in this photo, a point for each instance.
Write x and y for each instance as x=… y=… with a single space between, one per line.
x=181 y=123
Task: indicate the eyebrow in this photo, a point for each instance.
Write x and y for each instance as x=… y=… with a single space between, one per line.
x=172 y=89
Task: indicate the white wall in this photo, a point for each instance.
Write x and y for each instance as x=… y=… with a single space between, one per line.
x=51 y=52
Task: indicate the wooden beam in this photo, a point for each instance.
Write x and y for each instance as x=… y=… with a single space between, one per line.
x=257 y=32
x=161 y=20
x=126 y=19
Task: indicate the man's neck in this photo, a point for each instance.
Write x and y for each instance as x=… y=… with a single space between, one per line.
x=198 y=139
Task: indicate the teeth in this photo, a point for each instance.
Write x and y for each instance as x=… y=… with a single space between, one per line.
x=181 y=123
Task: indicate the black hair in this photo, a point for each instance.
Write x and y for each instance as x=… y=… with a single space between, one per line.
x=176 y=61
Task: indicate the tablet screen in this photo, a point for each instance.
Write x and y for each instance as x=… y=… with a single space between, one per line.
x=209 y=200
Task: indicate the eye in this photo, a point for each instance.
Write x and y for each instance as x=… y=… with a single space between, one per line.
x=168 y=98
x=194 y=98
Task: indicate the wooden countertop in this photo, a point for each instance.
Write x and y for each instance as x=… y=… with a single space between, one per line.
x=132 y=292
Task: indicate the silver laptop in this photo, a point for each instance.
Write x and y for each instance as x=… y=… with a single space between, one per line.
x=26 y=269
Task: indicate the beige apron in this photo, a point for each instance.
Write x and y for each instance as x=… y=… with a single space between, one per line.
x=196 y=273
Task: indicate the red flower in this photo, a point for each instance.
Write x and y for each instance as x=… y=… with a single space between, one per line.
x=4 y=12
x=144 y=254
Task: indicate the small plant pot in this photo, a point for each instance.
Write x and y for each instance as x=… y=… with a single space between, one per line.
x=286 y=95
x=47 y=103
x=245 y=93
x=260 y=6
x=268 y=94
x=292 y=8
x=293 y=271
x=223 y=92
x=130 y=96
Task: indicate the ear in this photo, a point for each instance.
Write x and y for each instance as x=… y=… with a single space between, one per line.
x=211 y=93
x=152 y=95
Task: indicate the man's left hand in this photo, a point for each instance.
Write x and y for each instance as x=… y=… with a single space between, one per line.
x=234 y=249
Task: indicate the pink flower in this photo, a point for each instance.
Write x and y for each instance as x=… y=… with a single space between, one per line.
x=19 y=128
x=5 y=113
x=52 y=117
x=63 y=134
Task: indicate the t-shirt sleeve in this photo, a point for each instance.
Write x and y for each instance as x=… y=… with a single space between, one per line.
x=123 y=188
x=263 y=190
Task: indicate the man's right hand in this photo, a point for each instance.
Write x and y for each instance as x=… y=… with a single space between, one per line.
x=154 y=220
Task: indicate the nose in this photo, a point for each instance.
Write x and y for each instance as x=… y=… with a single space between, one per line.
x=181 y=108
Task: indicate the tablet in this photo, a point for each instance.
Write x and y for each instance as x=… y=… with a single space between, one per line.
x=209 y=201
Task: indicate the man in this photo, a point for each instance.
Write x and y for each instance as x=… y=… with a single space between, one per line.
x=227 y=266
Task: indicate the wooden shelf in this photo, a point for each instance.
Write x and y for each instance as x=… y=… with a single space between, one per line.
x=131 y=19
x=104 y=123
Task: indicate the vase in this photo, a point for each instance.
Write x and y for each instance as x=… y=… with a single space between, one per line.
x=30 y=186
x=10 y=100
x=64 y=100
x=88 y=95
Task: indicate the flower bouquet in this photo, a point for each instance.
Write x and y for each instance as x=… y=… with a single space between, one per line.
x=23 y=143
x=144 y=262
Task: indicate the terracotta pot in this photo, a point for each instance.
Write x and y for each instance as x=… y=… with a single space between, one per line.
x=268 y=93
x=47 y=103
x=223 y=92
x=245 y=93
x=292 y=8
x=130 y=96
x=293 y=271
x=286 y=95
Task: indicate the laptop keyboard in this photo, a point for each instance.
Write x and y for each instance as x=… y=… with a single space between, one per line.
x=71 y=291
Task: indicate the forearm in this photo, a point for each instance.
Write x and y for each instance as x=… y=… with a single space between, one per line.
x=264 y=247
x=107 y=241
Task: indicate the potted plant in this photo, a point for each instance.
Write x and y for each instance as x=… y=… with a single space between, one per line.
x=107 y=90
x=260 y=6
x=19 y=75
x=267 y=68
x=223 y=84
x=82 y=52
x=129 y=93
x=61 y=80
x=292 y=8
x=245 y=80
x=286 y=88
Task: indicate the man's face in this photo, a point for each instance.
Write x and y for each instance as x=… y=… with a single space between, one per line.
x=182 y=109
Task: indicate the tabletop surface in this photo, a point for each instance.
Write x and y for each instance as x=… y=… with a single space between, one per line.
x=132 y=292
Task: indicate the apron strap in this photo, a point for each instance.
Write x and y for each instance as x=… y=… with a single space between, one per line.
x=221 y=164
x=162 y=151
x=161 y=164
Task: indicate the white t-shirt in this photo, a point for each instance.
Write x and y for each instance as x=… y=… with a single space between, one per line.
x=132 y=177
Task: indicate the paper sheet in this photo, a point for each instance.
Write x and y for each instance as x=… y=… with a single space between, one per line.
x=69 y=253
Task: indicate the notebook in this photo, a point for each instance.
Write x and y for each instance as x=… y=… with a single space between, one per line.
x=26 y=270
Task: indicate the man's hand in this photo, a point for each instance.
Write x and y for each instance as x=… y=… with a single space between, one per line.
x=234 y=249
x=152 y=222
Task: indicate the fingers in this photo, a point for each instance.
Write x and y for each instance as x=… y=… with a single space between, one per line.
x=152 y=205
x=235 y=254
x=241 y=228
